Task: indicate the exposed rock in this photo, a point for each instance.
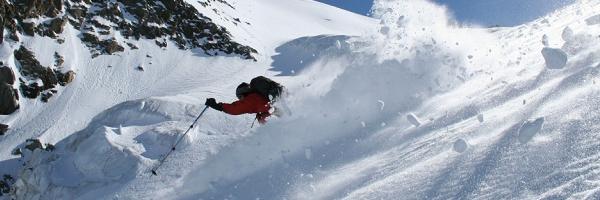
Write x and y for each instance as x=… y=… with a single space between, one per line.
x=132 y=46
x=31 y=68
x=7 y=75
x=46 y=96
x=66 y=78
x=31 y=91
x=9 y=99
x=28 y=28
x=162 y=44
x=109 y=46
x=140 y=68
x=33 y=71
x=7 y=13
x=3 y=129
x=33 y=144
x=58 y=60
x=90 y=38
x=177 y=20
x=6 y=184
x=112 y=46
x=57 y=25
x=173 y=20
x=77 y=12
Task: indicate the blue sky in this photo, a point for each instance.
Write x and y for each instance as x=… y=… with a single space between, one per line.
x=485 y=12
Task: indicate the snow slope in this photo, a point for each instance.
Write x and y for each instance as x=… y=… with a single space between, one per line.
x=413 y=108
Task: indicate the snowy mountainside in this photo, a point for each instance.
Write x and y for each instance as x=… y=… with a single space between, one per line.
x=81 y=118
x=414 y=107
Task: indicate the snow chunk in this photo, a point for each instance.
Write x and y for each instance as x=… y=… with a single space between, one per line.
x=384 y=30
x=567 y=34
x=460 y=146
x=308 y=153
x=555 y=58
x=593 y=20
x=480 y=117
x=413 y=119
x=382 y=104
x=529 y=129
x=545 y=40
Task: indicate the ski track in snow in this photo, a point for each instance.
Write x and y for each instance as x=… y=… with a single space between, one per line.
x=538 y=140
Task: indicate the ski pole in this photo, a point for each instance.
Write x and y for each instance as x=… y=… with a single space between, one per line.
x=253 y=122
x=176 y=143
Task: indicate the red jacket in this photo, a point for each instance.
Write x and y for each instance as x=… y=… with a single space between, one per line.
x=251 y=103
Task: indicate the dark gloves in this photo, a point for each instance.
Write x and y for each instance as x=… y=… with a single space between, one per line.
x=211 y=102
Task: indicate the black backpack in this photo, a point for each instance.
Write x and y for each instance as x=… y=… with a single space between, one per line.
x=266 y=87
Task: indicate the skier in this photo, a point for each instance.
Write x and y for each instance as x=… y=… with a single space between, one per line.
x=255 y=97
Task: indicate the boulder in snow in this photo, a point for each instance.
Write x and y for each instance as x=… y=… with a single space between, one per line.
x=529 y=129
x=555 y=58
x=413 y=119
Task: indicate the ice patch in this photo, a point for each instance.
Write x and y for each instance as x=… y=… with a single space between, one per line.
x=555 y=58
x=529 y=129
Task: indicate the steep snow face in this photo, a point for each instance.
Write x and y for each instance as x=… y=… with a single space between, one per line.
x=416 y=108
x=537 y=140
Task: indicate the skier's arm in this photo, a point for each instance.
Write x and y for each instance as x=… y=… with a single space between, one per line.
x=238 y=107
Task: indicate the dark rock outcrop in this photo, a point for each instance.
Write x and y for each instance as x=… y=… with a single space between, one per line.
x=6 y=184
x=7 y=75
x=32 y=70
x=9 y=99
x=31 y=145
x=3 y=129
x=66 y=78
x=58 y=59
x=164 y=20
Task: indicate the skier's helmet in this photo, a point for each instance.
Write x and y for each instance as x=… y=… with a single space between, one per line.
x=242 y=90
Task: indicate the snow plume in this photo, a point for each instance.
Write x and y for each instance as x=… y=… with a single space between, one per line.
x=337 y=99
